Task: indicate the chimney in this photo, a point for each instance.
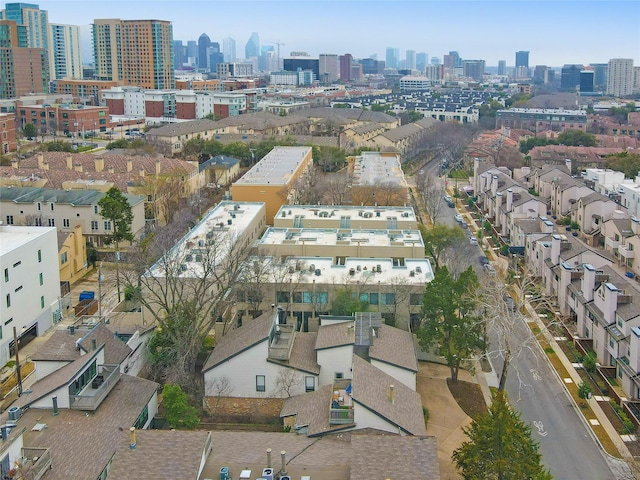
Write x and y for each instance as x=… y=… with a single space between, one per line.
x=391 y=395
x=129 y=164
x=283 y=470
x=14 y=163
x=556 y=242
x=69 y=162
x=132 y=435
x=141 y=173
x=45 y=165
x=158 y=167
x=99 y=164
x=55 y=405
x=78 y=167
x=494 y=184
x=268 y=458
x=588 y=281
x=509 y=199
x=40 y=160
x=94 y=344
x=567 y=163
x=111 y=169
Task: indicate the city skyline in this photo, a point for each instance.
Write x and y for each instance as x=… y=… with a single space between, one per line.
x=554 y=32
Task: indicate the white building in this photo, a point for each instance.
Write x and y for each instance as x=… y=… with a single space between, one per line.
x=411 y=82
x=620 y=77
x=65 y=59
x=30 y=284
x=329 y=65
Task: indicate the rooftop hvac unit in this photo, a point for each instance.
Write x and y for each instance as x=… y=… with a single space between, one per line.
x=379 y=268
x=352 y=271
x=285 y=477
x=267 y=473
x=318 y=272
x=405 y=214
x=224 y=473
x=14 y=413
x=419 y=269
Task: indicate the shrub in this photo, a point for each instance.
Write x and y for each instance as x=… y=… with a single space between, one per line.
x=178 y=412
x=590 y=361
x=425 y=413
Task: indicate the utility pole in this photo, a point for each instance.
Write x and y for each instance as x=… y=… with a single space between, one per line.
x=15 y=346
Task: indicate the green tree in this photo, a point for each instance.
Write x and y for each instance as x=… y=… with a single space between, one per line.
x=500 y=447
x=448 y=318
x=120 y=143
x=576 y=138
x=626 y=162
x=115 y=207
x=529 y=143
x=193 y=148
x=57 y=146
x=590 y=362
x=30 y=130
x=584 y=392
x=345 y=303
x=178 y=412
x=440 y=238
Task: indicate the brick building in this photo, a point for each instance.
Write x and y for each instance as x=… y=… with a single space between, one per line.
x=64 y=119
x=7 y=133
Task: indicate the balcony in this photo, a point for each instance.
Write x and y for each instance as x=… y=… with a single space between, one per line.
x=281 y=342
x=610 y=243
x=625 y=251
x=341 y=410
x=92 y=395
x=36 y=461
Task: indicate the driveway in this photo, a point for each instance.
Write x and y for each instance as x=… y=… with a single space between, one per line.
x=446 y=418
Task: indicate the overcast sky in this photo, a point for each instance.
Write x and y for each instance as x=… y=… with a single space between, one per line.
x=554 y=31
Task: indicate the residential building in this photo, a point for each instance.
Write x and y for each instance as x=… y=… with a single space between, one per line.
x=152 y=67
x=410 y=62
x=23 y=69
x=234 y=70
x=8 y=141
x=344 y=216
x=378 y=179
x=274 y=179
x=30 y=282
x=502 y=67
x=64 y=119
x=422 y=60
x=581 y=157
x=405 y=138
x=522 y=59
x=539 y=120
x=65 y=58
x=392 y=57
x=72 y=251
x=64 y=209
x=220 y=170
x=329 y=67
x=32 y=24
x=620 y=77
x=84 y=91
x=175 y=135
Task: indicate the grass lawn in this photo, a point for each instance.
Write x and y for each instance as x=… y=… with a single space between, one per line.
x=469 y=397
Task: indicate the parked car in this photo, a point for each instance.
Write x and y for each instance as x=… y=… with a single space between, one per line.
x=459 y=218
x=473 y=240
x=464 y=225
x=484 y=260
x=511 y=305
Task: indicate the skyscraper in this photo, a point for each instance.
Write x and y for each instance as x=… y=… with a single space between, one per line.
x=600 y=72
x=345 y=67
x=65 y=59
x=620 y=77
x=214 y=55
x=152 y=40
x=204 y=42
x=252 y=49
x=411 y=59
x=32 y=26
x=229 y=49
x=473 y=69
x=179 y=54
x=329 y=67
x=421 y=61
x=22 y=69
x=393 y=57
x=570 y=76
x=457 y=60
x=192 y=52
x=586 y=81
x=522 y=59
x=502 y=67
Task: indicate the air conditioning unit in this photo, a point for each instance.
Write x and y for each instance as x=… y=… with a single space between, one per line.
x=15 y=413
x=267 y=473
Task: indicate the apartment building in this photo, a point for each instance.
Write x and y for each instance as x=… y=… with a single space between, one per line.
x=539 y=120
x=8 y=142
x=378 y=179
x=64 y=209
x=30 y=283
x=620 y=77
x=344 y=216
x=23 y=69
x=84 y=90
x=64 y=119
x=65 y=58
x=274 y=179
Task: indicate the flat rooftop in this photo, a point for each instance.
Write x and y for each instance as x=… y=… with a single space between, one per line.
x=379 y=213
x=275 y=168
x=415 y=271
x=222 y=224
x=335 y=236
x=14 y=236
x=371 y=168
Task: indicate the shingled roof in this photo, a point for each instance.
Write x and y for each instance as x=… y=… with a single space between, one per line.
x=395 y=347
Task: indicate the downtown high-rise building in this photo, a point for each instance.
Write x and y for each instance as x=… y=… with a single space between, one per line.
x=346 y=61
x=457 y=60
x=329 y=67
x=252 y=48
x=620 y=77
x=229 y=49
x=392 y=57
x=522 y=59
x=587 y=81
x=32 y=27
x=502 y=67
x=65 y=58
x=179 y=54
x=421 y=61
x=114 y=43
x=570 y=76
x=600 y=74
x=204 y=42
x=473 y=69
x=22 y=69
x=410 y=59
x=192 y=52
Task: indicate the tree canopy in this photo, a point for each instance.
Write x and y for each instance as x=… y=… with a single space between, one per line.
x=178 y=412
x=499 y=447
x=440 y=238
x=345 y=303
x=572 y=138
x=30 y=130
x=626 y=162
x=115 y=207
x=448 y=318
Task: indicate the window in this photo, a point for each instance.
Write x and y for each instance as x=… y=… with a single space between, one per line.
x=65 y=222
x=415 y=299
x=52 y=206
x=39 y=256
x=63 y=258
x=8 y=300
x=18 y=263
x=9 y=219
x=387 y=298
x=94 y=225
x=41 y=278
x=260 y=383
x=107 y=224
x=611 y=342
x=345 y=222
x=38 y=206
x=84 y=379
x=6 y=274
x=309 y=384
x=18 y=289
x=373 y=299
x=95 y=209
x=41 y=302
x=338 y=375
x=142 y=418
x=52 y=222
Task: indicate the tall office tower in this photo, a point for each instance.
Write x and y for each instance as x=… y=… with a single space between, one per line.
x=570 y=76
x=435 y=61
x=22 y=69
x=410 y=57
x=215 y=56
x=252 y=49
x=329 y=67
x=457 y=59
x=393 y=57
x=541 y=74
x=265 y=57
x=449 y=61
x=204 y=42
x=473 y=69
x=522 y=59
x=346 y=61
x=65 y=59
x=114 y=40
x=620 y=77
x=502 y=67
x=229 y=49
x=587 y=81
x=192 y=52
x=179 y=54
x=600 y=74
x=421 y=61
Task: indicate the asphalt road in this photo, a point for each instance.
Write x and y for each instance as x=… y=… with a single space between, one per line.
x=567 y=447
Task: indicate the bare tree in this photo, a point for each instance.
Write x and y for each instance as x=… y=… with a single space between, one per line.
x=221 y=387
x=431 y=193
x=304 y=190
x=165 y=193
x=335 y=188
x=36 y=220
x=251 y=287
x=287 y=381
